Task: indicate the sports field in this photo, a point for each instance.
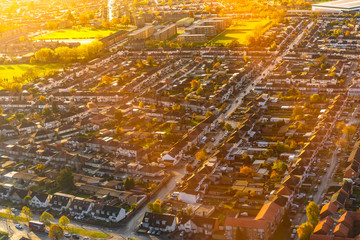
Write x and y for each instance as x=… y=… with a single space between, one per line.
x=17 y=70
x=239 y=31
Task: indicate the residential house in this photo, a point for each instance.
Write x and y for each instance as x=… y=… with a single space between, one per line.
x=40 y=200
x=81 y=206
x=159 y=222
x=61 y=201
x=107 y=213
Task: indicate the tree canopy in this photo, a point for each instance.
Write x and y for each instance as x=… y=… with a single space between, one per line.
x=65 y=179
x=56 y=232
x=312 y=213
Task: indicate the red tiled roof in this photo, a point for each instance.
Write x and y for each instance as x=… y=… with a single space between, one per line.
x=268 y=211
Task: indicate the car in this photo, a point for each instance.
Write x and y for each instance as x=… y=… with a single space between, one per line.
x=13 y=209
x=47 y=230
x=158 y=233
x=75 y=236
x=18 y=226
x=182 y=233
x=67 y=235
x=86 y=238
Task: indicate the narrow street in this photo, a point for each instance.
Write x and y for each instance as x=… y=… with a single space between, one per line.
x=129 y=228
x=326 y=179
x=262 y=75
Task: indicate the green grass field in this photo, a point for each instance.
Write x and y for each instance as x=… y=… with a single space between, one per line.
x=239 y=31
x=84 y=33
x=16 y=70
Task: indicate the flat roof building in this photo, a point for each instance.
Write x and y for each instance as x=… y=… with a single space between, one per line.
x=142 y=33
x=337 y=6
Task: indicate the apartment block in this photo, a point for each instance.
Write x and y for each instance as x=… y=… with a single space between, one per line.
x=142 y=33
x=195 y=38
x=165 y=33
x=207 y=30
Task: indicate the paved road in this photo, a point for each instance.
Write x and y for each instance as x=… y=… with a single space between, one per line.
x=263 y=74
x=129 y=228
x=326 y=180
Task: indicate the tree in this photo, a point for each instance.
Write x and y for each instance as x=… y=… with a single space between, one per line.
x=199 y=91
x=52 y=25
x=247 y=171
x=56 y=232
x=228 y=127
x=124 y=20
x=129 y=183
x=46 y=218
x=233 y=44
x=279 y=166
x=201 y=155
x=342 y=143
x=19 y=116
x=349 y=130
x=84 y=18
x=119 y=131
x=118 y=115
x=54 y=107
x=45 y=55
x=216 y=65
x=150 y=61
x=155 y=206
x=340 y=125
x=106 y=79
x=65 y=179
x=40 y=168
x=312 y=213
x=314 y=98
x=27 y=212
x=208 y=114
x=304 y=231
x=194 y=84
x=27 y=200
x=64 y=221
x=141 y=104
x=46 y=111
x=8 y=211
x=298 y=113
x=106 y=24
x=140 y=64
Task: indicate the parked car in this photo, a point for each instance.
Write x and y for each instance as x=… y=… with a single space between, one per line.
x=75 y=236
x=67 y=235
x=19 y=226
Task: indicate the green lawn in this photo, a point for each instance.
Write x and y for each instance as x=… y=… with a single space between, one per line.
x=84 y=232
x=84 y=33
x=16 y=70
x=12 y=217
x=239 y=31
